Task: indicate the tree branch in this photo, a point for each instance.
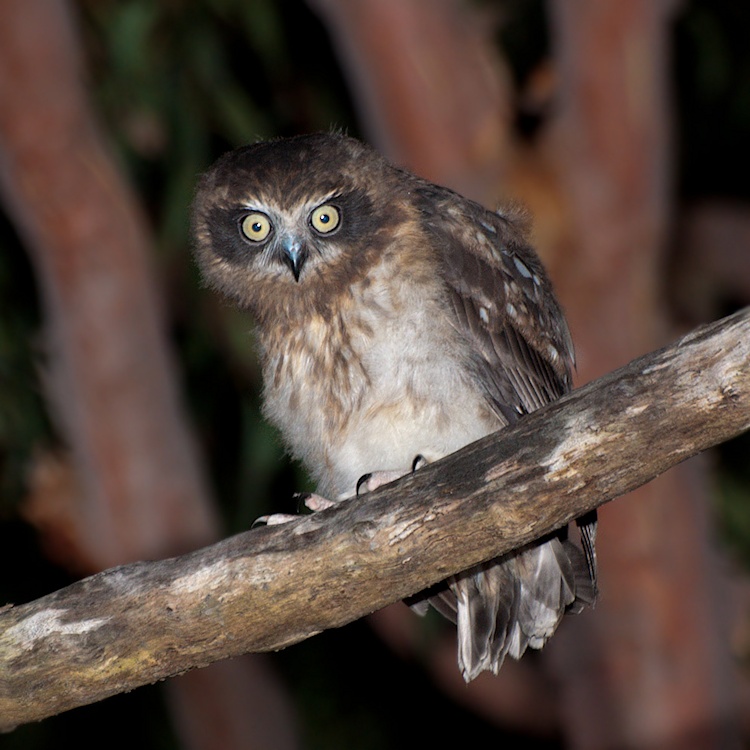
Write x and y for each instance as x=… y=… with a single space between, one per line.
x=268 y=588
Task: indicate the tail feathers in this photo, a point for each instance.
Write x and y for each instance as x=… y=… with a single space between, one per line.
x=587 y=528
x=548 y=584
x=585 y=585
x=515 y=602
x=487 y=602
x=512 y=603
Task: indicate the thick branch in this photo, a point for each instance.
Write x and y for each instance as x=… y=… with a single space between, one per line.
x=272 y=587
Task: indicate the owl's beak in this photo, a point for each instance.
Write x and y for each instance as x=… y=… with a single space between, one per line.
x=295 y=255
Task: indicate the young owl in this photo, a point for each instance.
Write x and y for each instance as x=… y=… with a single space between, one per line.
x=396 y=319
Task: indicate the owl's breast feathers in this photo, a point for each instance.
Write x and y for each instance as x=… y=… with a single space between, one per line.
x=381 y=374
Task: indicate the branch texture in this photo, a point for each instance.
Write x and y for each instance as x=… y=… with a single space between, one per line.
x=268 y=588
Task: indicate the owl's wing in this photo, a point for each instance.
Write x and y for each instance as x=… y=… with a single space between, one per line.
x=504 y=304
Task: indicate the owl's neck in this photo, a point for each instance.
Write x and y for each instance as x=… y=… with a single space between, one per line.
x=310 y=353
x=310 y=346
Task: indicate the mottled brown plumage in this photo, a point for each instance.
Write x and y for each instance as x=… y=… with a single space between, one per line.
x=396 y=318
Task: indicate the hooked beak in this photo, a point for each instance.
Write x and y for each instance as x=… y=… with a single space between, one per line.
x=295 y=255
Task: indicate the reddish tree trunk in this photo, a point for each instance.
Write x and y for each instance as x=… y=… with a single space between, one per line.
x=110 y=377
x=659 y=671
x=432 y=93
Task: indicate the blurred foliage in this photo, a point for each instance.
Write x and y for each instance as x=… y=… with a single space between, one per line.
x=734 y=509
x=176 y=84
x=180 y=82
x=733 y=496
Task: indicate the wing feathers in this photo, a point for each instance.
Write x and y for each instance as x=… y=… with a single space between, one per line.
x=502 y=303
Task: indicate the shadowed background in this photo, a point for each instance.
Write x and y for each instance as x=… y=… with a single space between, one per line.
x=129 y=423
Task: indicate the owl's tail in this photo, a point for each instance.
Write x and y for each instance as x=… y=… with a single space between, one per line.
x=516 y=601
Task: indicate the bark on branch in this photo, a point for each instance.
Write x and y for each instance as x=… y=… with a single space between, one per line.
x=268 y=588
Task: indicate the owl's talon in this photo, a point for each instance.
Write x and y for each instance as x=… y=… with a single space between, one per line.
x=301 y=498
x=362 y=481
x=275 y=519
x=310 y=500
x=370 y=482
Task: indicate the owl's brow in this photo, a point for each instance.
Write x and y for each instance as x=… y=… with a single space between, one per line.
x=324 y=197
x=276 y=205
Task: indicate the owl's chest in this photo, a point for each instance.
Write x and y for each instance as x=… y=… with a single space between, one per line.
x=369 y=389
x=422 y=399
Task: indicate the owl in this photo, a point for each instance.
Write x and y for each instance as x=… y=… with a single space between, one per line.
x=397 y=319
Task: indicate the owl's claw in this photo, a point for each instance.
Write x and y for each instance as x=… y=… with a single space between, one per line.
x=362 y=482
x=369 y=482
x=315 y=503
x=275 y=519
x=310 y=500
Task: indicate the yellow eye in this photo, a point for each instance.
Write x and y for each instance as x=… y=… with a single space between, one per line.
x=325 y=219
x=256 y=227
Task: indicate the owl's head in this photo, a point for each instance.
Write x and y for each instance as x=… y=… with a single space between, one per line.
x=288 y=219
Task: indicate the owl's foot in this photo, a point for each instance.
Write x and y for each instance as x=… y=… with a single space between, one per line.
x=315 y=502
x=369 y=482
x=275 y=519
x=310 y=500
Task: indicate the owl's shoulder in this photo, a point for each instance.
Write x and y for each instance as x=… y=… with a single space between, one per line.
x=501 y=297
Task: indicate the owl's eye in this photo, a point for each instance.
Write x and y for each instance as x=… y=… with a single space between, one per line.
x=325 y=219
x=256 y=227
